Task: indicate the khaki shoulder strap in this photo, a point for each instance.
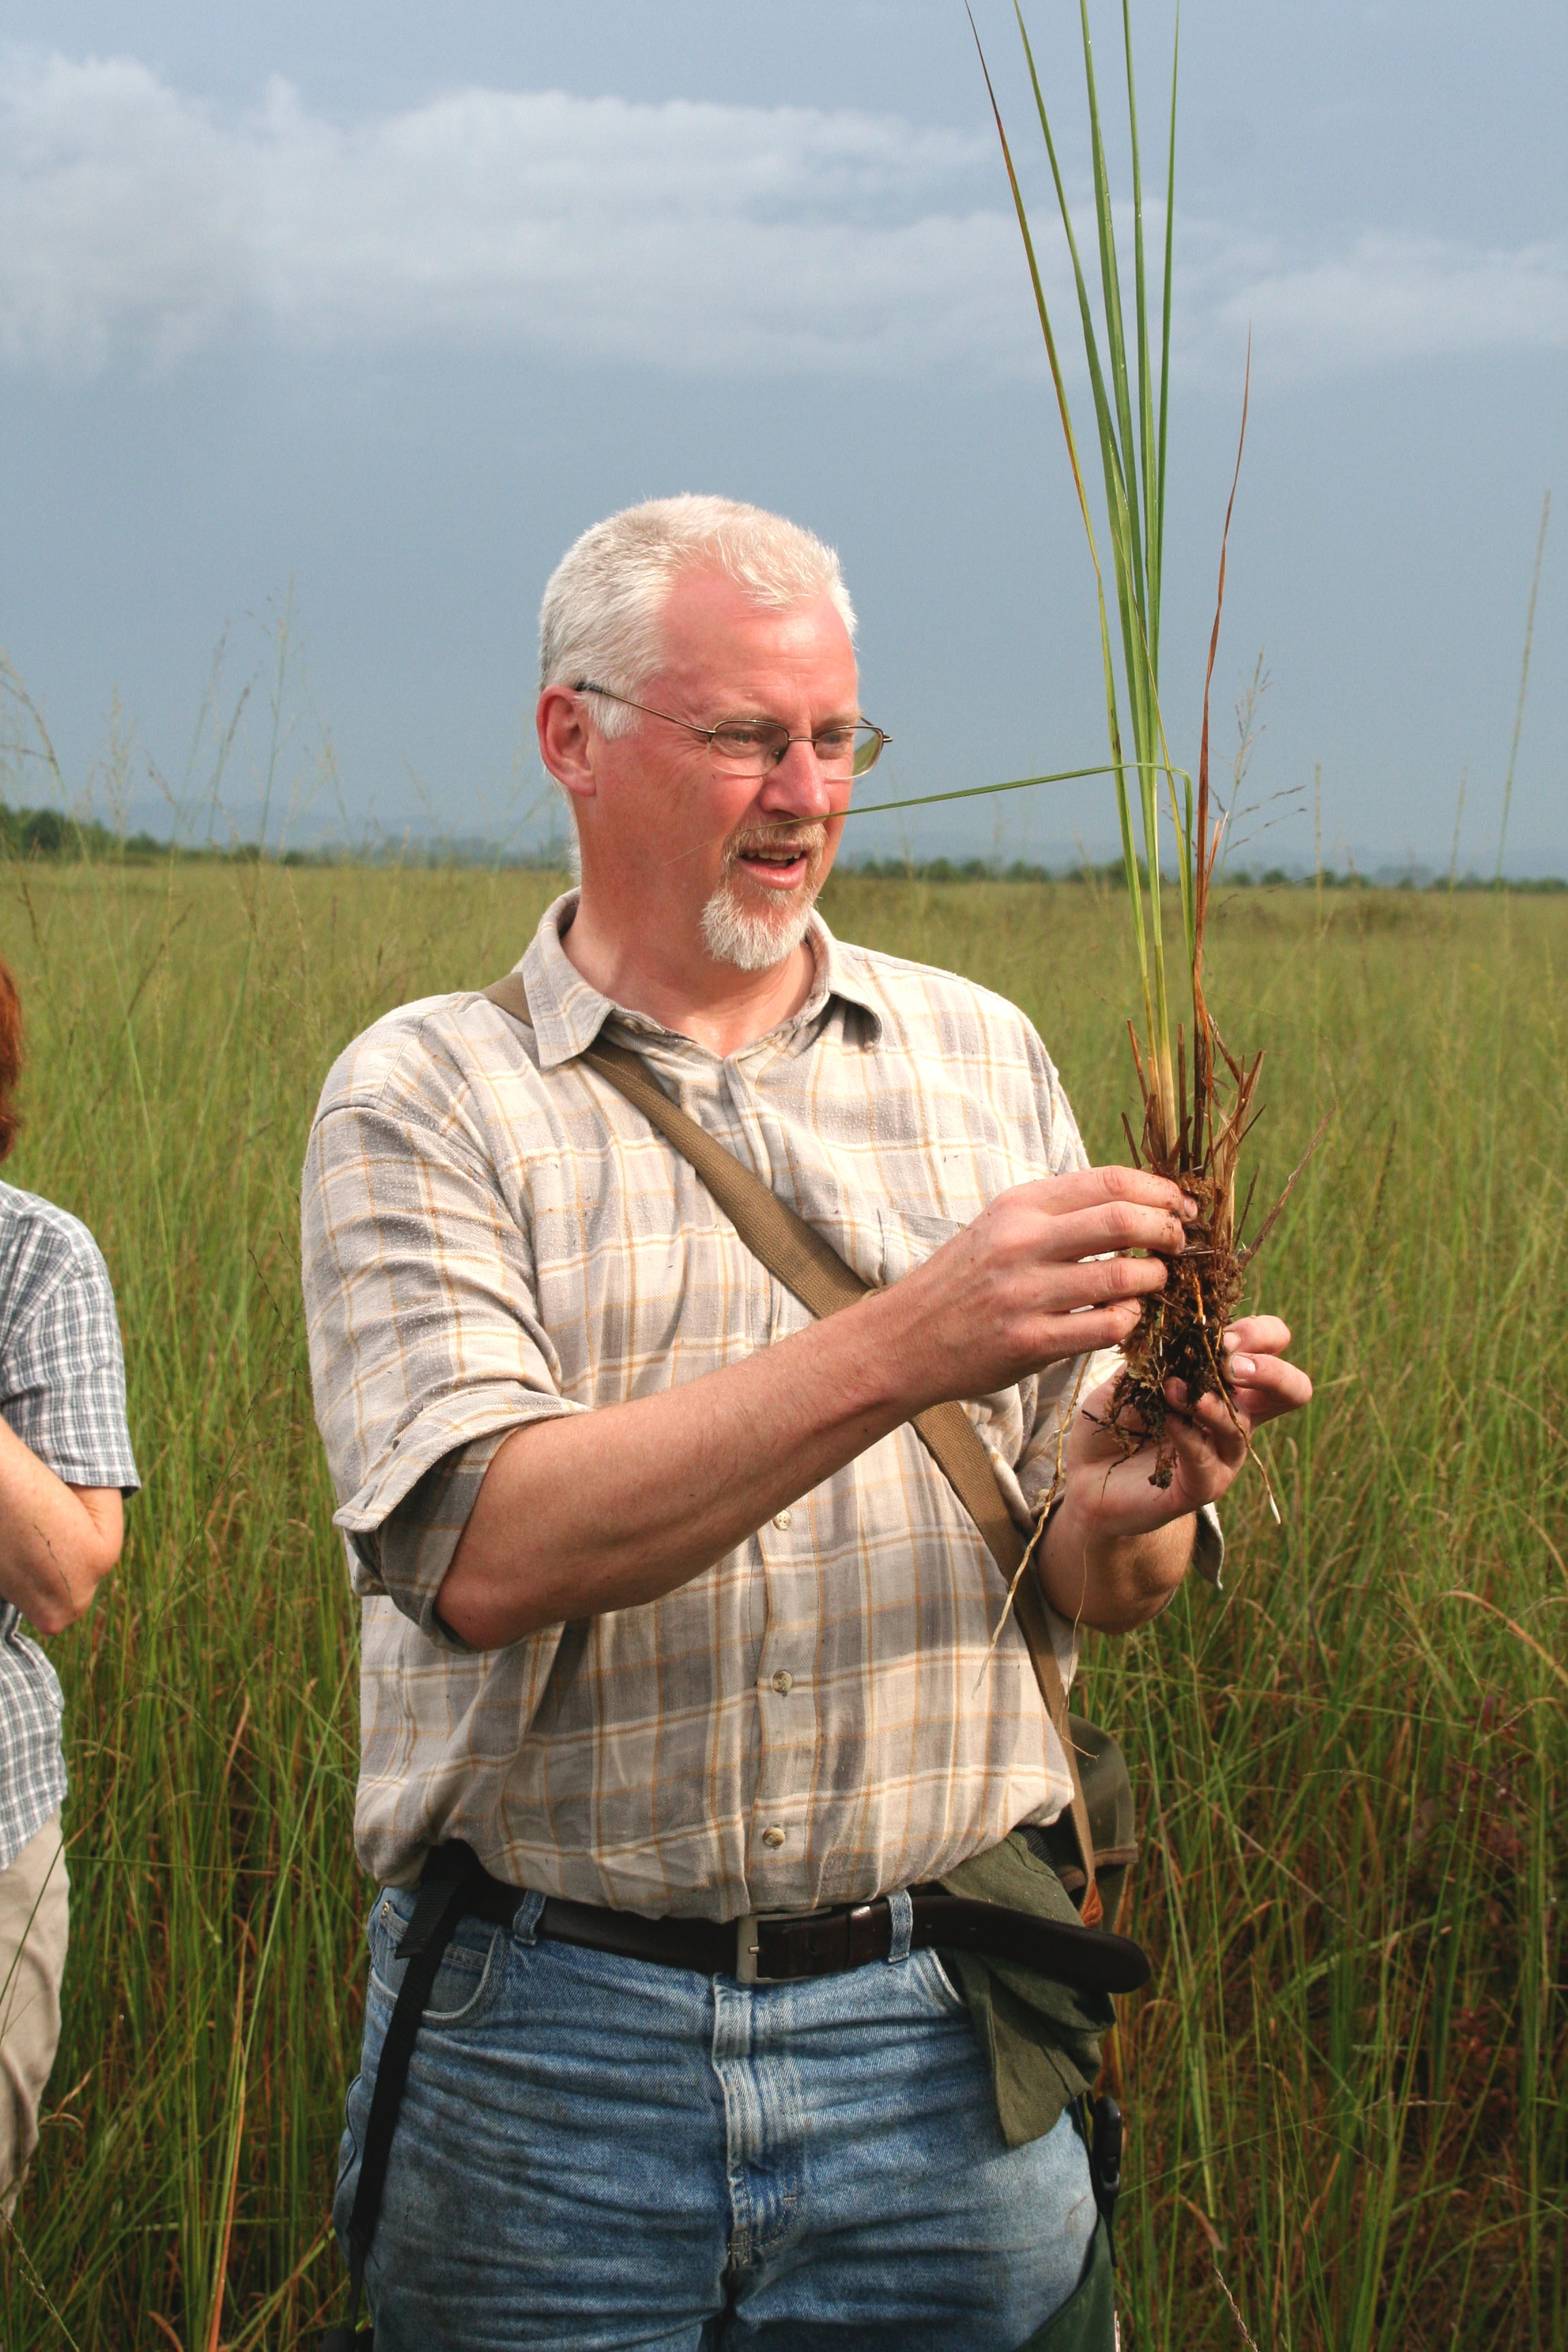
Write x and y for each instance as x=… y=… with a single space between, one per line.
x=796 y=1256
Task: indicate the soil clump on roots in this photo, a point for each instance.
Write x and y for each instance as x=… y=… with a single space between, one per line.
x=1179 y=1332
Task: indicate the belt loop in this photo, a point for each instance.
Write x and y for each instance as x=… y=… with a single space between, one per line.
x=903 y=1922
x=526 y=1917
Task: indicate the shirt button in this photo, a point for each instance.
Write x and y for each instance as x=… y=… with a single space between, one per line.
x=781 y=1520
x=774 y=1837
x=784 y=1684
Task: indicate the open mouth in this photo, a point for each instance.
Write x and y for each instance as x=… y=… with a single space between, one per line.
x=778 y=865
x=774 y=865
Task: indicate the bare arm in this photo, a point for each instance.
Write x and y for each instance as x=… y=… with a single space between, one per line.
x=605 y=1510
x=57 y=1542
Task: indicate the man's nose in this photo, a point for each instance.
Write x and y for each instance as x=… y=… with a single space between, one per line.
x=797 y=784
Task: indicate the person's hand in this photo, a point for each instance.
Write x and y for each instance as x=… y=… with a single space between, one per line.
x=1108 y=1490
x=1037 y=1278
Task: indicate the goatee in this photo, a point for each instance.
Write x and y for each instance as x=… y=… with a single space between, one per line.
x=753 y=938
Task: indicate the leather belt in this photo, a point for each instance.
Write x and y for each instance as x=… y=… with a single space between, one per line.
x=789 y=1947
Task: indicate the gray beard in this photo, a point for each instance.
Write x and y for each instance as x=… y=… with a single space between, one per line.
x=749 y=942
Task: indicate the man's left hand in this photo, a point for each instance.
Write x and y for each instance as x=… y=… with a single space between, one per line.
x=1117 y=1547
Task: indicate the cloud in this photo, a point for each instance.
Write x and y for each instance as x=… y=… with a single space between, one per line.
x=1399 y=298
x=137 y=225
x=141 y=227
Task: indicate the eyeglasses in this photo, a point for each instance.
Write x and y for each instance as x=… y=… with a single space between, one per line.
x=753 y=746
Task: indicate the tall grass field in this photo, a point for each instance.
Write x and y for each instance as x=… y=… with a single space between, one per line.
x=1345 y=2085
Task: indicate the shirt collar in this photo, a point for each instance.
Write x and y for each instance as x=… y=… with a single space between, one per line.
x=568 y=1013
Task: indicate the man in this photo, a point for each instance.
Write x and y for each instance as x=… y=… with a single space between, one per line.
x=668 y=1610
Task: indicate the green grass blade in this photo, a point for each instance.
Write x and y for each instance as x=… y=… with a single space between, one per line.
x=1118 y=504
x=1053 y=357
x=1115 y=330
x=1140 y=307
x=1118 y=441
x=1118 y=507
x=1117 y=449
x=979 y=791
x=1157 y=514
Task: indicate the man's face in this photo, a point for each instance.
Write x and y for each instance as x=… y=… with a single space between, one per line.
x=727 y=867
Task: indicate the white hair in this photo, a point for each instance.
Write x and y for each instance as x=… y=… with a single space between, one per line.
x=752 y=942
x=603 y=612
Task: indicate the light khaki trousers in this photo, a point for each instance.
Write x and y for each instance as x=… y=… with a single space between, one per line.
x=34 y=1916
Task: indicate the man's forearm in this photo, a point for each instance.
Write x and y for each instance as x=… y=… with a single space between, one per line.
x=1112 y=1583
x=609 y=1509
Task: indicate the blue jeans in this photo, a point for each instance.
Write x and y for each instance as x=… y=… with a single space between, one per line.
x=599 y=2152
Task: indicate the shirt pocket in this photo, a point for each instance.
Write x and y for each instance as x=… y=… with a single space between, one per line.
x=906 y=1237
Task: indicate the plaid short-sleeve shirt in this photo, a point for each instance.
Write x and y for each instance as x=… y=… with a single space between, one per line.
x=493 y=1236
x=62 y=1390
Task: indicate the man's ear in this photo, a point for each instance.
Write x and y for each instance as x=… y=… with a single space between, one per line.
x=564 y=741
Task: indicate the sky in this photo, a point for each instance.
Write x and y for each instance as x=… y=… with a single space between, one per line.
x=323 y=330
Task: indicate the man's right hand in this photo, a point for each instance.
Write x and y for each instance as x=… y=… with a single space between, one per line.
x=1035 y=1279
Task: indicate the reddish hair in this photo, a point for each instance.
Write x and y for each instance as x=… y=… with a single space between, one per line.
x=10 y=1058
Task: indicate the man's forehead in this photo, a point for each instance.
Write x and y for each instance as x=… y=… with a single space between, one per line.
x=713 y=630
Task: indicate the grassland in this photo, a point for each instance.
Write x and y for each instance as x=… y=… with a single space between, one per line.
x=1346 y=2084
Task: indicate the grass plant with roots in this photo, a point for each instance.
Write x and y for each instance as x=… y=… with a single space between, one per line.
x=1197 y=1097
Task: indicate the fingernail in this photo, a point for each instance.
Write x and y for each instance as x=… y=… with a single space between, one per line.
x=1229 y=1340
x=1242 y=1364
x=1189 y=1207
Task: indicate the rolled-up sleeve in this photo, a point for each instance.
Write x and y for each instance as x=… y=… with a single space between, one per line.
x=62 y=1374
x=425 y=1335
x=409 y=1554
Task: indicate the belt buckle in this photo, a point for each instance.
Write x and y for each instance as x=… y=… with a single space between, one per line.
x=748 y=1942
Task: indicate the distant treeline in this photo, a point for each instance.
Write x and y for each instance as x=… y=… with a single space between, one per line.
x=46 y=834
x=982 y=869
x=49 y=835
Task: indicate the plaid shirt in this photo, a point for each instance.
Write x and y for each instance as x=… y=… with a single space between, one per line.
x=493 y=1237
x=62 y=1390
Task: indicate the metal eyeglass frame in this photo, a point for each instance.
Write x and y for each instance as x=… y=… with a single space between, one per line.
x=880 y=737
